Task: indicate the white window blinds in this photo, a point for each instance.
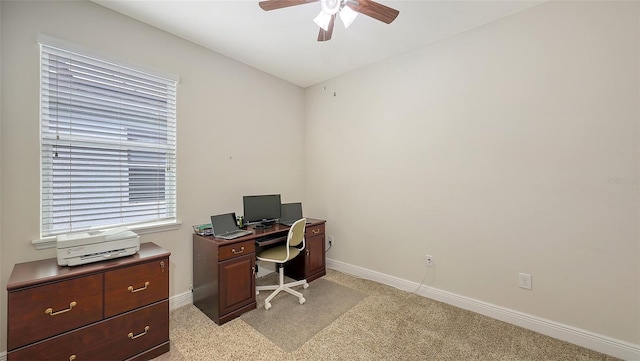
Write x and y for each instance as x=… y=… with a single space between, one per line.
x=108 y=144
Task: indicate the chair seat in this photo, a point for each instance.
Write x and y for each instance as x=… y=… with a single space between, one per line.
x=278 y=254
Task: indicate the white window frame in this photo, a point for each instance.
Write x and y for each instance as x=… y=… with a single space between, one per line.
x=165 y=178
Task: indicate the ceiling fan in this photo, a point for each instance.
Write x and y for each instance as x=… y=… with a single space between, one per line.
x=347 y=9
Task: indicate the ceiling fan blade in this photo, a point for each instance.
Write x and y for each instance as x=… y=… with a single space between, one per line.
x=326 y=35
x=374 y=10
x=279 y=4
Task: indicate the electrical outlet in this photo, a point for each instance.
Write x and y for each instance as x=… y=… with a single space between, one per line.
x=524 y=281
x=331 y=240
x=429 y=260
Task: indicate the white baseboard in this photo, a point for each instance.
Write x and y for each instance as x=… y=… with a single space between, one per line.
x=613 y=347
x=590 y=340
x=179 y=300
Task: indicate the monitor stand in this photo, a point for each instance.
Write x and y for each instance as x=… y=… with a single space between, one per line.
x=264 y=224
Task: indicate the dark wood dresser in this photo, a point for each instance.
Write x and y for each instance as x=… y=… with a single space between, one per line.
x=110 y=310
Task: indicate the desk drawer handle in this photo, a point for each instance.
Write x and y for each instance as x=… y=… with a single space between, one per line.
x=72 y=357
x=315 y=231
x=133 y=337
x=130 y=288
x=49 y=311
x=237 y=252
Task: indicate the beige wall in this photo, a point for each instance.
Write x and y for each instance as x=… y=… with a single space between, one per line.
x=230 y=117
x=509 y=148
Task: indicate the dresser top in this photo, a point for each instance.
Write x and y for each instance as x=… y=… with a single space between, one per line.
x=47 y=270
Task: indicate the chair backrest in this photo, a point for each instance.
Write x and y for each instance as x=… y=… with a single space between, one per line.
x=296 y=234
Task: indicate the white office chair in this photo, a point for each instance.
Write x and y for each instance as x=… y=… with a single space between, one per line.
x=281 y=254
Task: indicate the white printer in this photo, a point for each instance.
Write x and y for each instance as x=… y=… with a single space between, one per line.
x=80 y=248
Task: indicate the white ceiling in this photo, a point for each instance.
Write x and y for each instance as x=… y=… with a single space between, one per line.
x=283 y=42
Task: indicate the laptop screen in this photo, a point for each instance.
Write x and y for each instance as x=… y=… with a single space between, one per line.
x=290 y=211
x=223 y=223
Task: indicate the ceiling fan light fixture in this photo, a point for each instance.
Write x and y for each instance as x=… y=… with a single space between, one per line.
x=322 y=20
x=348 y=16
x=347 y=9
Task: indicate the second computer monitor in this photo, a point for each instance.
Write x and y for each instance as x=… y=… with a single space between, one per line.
x=261 y=208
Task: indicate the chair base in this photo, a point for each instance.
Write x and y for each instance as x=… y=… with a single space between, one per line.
x=287 y=287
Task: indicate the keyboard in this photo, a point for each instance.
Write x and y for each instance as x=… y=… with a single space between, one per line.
x=234 y=234
x=290 y=223
x=269 y=240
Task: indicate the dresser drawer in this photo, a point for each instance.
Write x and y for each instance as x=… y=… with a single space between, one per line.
x=47 y=310
x=118 y=338
x=135 y=332
x=236 y=249
x=132 y=287
x=311 y=231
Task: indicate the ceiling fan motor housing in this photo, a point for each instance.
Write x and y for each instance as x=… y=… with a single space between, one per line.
x=330 y=6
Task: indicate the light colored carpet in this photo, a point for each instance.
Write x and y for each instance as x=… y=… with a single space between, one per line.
x=388 y=324
x=289 y=324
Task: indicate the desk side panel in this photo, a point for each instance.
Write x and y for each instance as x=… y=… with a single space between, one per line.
x=205 y=276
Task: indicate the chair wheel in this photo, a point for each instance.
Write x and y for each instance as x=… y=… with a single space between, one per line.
x=305 y=286
x=302 y=300
x=267 y=306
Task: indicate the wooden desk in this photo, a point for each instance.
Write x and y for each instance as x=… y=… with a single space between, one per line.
x=224 y=270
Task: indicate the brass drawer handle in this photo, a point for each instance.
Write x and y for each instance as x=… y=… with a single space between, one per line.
x=237 y=252
x=133 y=337
x=49 y=311
x=315 y=231
x=72 y=357
x=130 y=288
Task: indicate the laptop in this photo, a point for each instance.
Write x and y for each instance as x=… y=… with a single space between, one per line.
x=224 y=226
x=290 y=213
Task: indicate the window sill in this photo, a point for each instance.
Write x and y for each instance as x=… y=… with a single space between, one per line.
x=140 y=229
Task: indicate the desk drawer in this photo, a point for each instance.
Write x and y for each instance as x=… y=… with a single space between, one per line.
x=44 y=311
x=236 y=249
x=131 y=287
x=116 y=339
x=311 y=231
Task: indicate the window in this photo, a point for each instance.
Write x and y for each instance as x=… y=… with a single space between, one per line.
x=108 y=153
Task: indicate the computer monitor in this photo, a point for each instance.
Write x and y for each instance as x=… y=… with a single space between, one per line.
x=263 y=209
